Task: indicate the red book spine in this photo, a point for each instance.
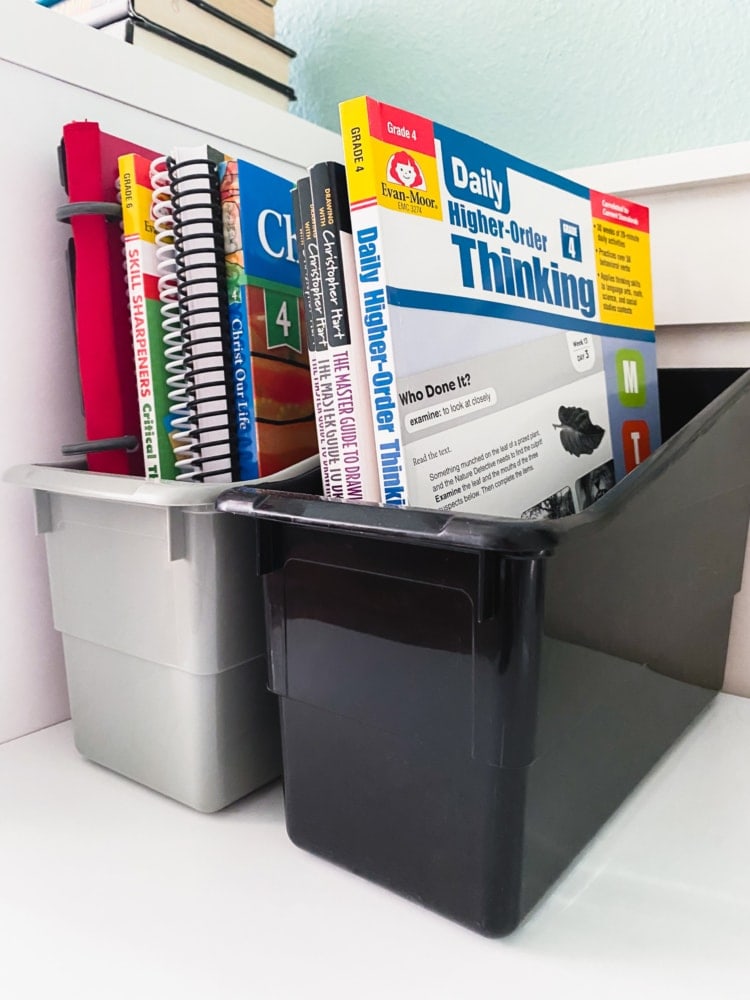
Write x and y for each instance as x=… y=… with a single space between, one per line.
x=104 y=343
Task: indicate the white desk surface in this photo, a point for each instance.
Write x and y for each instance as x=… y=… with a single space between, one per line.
x=109 y=890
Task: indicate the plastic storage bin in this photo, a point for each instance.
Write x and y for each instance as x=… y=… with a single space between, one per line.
x=161 y=615
x=466 y=699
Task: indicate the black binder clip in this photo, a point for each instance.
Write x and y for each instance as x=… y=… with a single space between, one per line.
x=111 y=210
x=127 y=442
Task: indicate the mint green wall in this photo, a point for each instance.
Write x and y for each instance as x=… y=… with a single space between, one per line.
x=560 y=82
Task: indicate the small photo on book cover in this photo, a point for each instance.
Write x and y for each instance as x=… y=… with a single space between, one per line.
x=595 y=484
x=557 y=505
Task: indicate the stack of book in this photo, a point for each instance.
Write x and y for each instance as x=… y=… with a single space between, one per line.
x=196 y=348
x=446 y=325
x=231 y=41
x=481 y=329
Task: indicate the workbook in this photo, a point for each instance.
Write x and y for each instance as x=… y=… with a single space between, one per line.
x=146 y=319
x=273 y=396
x=508 y=321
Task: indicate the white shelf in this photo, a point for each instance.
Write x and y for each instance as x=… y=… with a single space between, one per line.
x=697 y=245
x=112 y=891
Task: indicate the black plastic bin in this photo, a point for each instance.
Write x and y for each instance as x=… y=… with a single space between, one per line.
x=466 y=699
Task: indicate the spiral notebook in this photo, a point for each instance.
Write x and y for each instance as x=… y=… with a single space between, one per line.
x=193 y=292
x=234 y=357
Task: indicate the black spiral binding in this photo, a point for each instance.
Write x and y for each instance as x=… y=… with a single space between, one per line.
x=199 y=357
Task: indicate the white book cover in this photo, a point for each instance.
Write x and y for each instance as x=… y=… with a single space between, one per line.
x=343 y=331
x=321 y=367
x=508 y=321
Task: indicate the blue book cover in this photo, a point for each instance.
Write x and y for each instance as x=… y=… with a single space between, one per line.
x=271 y=371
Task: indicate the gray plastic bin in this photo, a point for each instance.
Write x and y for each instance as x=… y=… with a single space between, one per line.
x=165 y=655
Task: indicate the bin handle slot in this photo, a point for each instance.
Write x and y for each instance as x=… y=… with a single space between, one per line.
x=42 y=512
x=176 y=534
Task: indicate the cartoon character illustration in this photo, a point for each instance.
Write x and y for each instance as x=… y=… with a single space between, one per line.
x=403 y=169
x=230 y=213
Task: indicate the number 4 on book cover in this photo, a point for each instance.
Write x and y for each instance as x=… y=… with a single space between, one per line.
x=508 y=321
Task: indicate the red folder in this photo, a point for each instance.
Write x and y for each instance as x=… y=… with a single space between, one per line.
x=89 y=169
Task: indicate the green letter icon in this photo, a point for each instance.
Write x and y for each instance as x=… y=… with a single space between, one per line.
x=631 y=377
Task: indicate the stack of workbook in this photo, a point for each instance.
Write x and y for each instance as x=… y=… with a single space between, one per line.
x=477 y=332
x=481 y=329
x=231 y=41
x=336 y=345
x=196 y=349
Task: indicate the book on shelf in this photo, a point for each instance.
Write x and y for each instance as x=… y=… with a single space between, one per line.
x=271 y=374
x=89 y=173
x=146 y=319
x=198 y=349
x=255 y=14
x=508 y=321
x=241 y=74
x=343 y=331
x=321 y=369
x=199 y=25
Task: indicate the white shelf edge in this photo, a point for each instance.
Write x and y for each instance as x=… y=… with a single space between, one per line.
x=669 y=171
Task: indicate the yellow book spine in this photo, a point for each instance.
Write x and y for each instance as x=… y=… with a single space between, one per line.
x=136 y=198
x=359 y=153
x=138 y=245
